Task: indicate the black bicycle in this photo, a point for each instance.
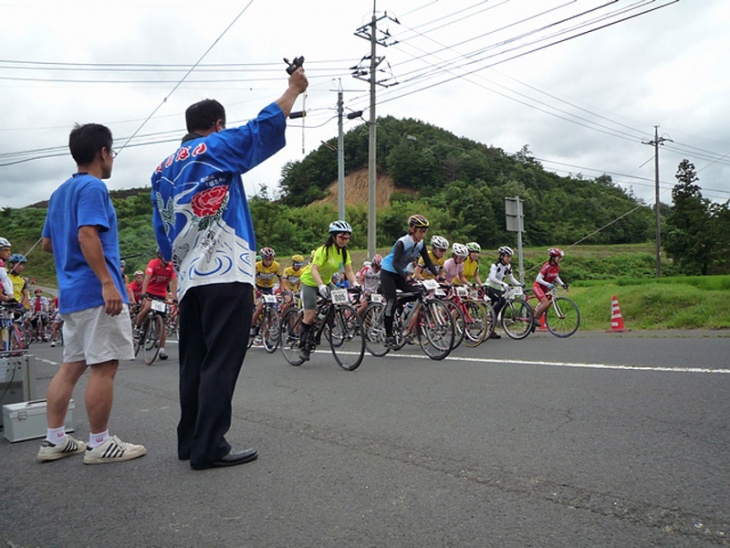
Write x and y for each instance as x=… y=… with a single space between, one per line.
x=150 y=334
x=337 y=320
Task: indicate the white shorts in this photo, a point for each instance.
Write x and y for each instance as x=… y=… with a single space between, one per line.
x=94 y=336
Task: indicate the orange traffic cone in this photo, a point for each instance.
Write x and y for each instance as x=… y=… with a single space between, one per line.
x=617 y=321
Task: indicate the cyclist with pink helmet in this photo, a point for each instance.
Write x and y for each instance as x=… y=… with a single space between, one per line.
x=369 y=278
x=546 y=280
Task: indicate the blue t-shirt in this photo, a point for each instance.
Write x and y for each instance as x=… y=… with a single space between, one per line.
x=83 y=200
x=200 y=215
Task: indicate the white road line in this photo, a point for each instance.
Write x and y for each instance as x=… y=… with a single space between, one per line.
x=658 y=369
x=578 y=365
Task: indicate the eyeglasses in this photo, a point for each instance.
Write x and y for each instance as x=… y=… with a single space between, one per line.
x=343 y=236
x=422 y=230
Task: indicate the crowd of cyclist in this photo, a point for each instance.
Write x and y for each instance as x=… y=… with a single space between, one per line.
x=409 y=262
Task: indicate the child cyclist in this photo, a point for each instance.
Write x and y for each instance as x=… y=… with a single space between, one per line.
x=499 y=271
x=268 y=272
x=327 y=259
x=439 y=245
x=454 y=267
x=546 y=280
x=471 y=265
x=369 y=278
x=394 y=273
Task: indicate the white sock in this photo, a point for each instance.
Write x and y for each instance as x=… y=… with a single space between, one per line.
x=162 y=349
x=56 y=435
x=97 y=439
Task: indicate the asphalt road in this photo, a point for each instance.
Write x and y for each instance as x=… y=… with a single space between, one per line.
x=597 y=440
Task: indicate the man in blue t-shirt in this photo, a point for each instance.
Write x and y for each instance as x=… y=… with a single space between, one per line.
x=203 y=225
x=81 y=232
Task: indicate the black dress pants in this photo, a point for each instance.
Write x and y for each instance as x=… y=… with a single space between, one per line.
x=214 y=327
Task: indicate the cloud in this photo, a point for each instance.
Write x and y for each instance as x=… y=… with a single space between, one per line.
x=588 y=102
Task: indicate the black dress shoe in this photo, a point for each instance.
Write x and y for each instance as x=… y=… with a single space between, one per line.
x=233 y=458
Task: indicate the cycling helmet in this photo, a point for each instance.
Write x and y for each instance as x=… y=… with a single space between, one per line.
x=297 y=258
x=505 y=250
x=377 y=260
x=138 y=273
x=4 y=243
x=267 y=253
x=556 y=252
x=16 y=258
x=473 y=246
x=459 y=250
x=418 y=221
x=439 y=242
x=340 y=226
x=123 y=263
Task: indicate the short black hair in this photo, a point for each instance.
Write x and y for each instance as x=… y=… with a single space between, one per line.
x=85 y=141
x=204 y=114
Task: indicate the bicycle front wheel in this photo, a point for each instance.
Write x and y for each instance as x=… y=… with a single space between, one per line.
x=374 y=329
x=289 y=336
x=435 y=330
x=478 y=321
x=563 y=317
x=459 y=321
x=270 y=329
x=155 y=325
x=517 y=318
x=346 y=337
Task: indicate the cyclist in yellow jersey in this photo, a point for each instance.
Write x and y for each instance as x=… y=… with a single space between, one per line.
x=268 y=272
x=437 y=253
x=471 y=265
x=16 y=266
x=290 y=278
x=327 y=259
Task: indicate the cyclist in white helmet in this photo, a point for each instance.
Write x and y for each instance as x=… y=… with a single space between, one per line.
x=6 y=286
x=454 y=267
x=471 y=265
x=439 y=246
x=500 y=270
x=330 y=257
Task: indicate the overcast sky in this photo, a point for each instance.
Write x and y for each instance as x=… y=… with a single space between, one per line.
x=482 y=70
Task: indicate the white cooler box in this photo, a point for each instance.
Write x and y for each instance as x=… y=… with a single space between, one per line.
x=27 y=420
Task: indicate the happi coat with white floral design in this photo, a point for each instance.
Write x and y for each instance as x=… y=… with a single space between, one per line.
x=200 y=214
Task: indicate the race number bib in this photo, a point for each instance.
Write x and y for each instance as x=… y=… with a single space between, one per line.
x=339 y=296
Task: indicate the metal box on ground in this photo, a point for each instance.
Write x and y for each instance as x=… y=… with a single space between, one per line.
x=27 y=420
x=17 y=379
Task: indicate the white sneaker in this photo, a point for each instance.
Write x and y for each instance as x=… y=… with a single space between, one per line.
x=70 y=446
x=113 y=450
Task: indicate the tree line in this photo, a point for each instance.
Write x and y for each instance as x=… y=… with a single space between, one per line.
x=460 y=185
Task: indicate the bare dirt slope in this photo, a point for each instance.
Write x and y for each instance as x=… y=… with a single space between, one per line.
x=356 y=190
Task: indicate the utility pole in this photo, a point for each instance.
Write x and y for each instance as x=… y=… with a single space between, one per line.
x=370 y=33
x=655 y=143
x=340 y=158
